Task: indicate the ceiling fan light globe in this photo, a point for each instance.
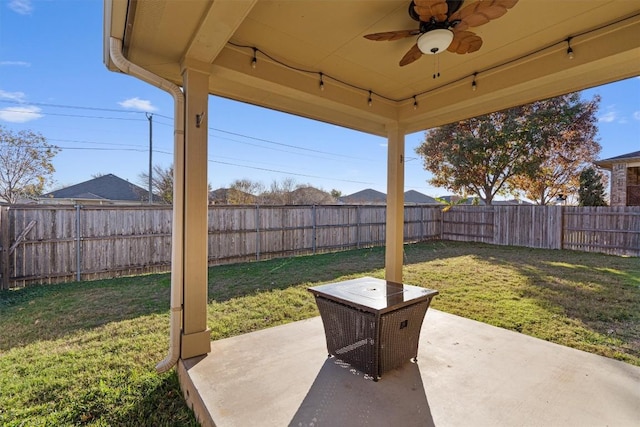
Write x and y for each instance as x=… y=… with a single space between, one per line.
x=435 y=41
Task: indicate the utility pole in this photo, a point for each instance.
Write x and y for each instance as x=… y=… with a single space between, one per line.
x=150 y=118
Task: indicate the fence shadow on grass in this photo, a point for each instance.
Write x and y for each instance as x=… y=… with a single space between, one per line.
x=237 y=280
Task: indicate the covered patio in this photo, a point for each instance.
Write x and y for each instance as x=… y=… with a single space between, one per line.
x=310 y=58
x=468 y=373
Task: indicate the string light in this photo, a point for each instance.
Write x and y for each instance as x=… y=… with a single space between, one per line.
x=436 y=74
x=569 y=49
x=415 y=103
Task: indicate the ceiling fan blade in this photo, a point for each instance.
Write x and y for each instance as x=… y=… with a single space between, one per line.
x=392 y=35
x=481 y=12
x=412 y=55
x=465 y=42
x=470 y=45
x=507 y=4
x=428 y=9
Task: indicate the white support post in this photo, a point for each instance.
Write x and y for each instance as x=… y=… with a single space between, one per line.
x=196 y=338
x=395 y=204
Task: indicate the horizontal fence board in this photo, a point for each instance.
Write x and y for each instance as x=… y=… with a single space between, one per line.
x=122 y=240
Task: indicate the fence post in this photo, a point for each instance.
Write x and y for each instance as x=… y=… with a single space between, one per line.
x=422 y=228
x=78 y=246
x=313 y=237
x=257 y=233
x=5 y=241
x=561 y=227
x=358 y=226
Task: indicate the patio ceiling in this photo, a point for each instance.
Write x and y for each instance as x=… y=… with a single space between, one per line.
x=523 y=58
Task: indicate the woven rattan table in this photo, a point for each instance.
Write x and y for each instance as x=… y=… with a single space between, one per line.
x=372 y=324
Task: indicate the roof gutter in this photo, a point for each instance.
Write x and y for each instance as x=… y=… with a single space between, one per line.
x=177 y=235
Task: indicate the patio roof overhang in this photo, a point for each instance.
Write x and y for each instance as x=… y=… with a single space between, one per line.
x=207 y=46
x=523 y=58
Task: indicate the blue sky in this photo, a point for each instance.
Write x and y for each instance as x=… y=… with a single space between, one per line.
x=53 y=81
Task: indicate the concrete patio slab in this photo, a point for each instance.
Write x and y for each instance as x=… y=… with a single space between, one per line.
x=468 y=374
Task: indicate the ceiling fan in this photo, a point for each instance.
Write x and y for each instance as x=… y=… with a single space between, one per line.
x=444 y=25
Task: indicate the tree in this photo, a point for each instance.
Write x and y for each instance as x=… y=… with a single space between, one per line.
x=161 y=182
x=244 y=192
x=336 y=194
x=451 y=202
x=25 y=164
x=309 y=195
x=485 y=154
x=280 y=193
x=591 y=191
x=567 y=151
x=480 y=155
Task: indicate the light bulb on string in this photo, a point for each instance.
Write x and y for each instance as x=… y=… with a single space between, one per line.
x=569 y=48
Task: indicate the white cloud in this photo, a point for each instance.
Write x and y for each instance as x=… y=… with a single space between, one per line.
x=23 y=7
x=15 y=63
x=138 y=104
x=636 y=115
x=20 y=114
x=13 y=96
x=383 y=144
x=608 y=117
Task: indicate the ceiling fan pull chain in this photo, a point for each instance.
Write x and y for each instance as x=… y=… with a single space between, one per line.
x=436 y=66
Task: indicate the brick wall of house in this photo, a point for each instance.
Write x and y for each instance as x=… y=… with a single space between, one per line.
x=619 y=184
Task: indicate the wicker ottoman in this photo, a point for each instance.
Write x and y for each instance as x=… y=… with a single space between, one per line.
x=372 y=324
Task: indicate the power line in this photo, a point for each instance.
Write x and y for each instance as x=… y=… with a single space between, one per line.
x=140 y=150
x=283 y=144
x=292 y=173
x=75 y=107
x=275 y=149
x=39 y=113
x=164 y=124
x=93 y=142
x=168 y=153
x=272 y=142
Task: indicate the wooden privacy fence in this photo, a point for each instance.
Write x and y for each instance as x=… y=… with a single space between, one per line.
x=50 y=244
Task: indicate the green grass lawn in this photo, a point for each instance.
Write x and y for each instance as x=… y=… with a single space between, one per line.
x=84 y=353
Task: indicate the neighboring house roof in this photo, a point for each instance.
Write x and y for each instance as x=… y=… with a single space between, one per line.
x=219 y=196
x=413 y=196
x=509 y=202
x=370 y=196
x=624 y=158
x=105 y=187
x=367 y=196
